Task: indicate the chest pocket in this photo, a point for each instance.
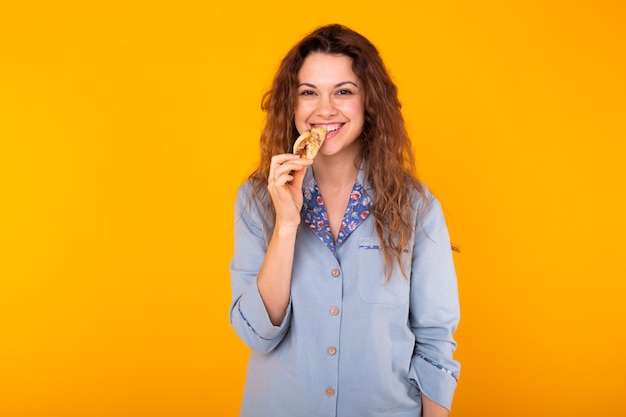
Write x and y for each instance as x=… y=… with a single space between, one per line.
x=373 y=285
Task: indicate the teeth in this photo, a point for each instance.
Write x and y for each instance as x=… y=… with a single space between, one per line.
x=332 y=128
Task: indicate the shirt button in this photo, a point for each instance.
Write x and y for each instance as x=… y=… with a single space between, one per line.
x=331 y=350
x=330 y=392
x=336 y=273
x=334 y=311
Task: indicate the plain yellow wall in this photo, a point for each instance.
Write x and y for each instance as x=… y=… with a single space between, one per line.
x=126 y=127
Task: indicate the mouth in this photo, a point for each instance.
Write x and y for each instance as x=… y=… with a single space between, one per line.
x=331 y=128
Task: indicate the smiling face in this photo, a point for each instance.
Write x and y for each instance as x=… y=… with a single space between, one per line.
x=330 y=95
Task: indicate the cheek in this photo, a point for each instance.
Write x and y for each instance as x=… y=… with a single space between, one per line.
x=356 y=111
x=301 y=116
x=302 y=111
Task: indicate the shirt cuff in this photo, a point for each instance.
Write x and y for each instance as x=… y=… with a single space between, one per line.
x=254 y=314
x=434 y=381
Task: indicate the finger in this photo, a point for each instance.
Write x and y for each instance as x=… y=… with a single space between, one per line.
x=280 y=159
x=291 y=166
x=283 y=172
x=298 y=177
x=276 y=162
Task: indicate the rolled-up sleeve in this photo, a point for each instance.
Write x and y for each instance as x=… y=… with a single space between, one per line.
x=434 y=310
x=248 y=314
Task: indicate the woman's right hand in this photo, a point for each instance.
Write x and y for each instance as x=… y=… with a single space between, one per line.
x=285 y=187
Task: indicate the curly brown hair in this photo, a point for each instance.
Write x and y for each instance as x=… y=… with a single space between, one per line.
x=385 y=144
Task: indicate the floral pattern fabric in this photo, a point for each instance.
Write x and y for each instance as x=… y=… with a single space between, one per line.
x=315 y=216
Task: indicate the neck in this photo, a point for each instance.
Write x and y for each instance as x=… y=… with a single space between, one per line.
x=333 y=174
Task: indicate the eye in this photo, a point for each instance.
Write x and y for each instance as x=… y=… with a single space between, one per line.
x=307 y=93
x=344 y=91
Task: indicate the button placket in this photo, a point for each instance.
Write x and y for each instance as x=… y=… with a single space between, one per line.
x=334 y=311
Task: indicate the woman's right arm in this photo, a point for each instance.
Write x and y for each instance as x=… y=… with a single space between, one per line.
x=260 y=272
x=285 y=188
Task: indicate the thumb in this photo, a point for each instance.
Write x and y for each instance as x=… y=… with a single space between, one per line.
x=298 y=177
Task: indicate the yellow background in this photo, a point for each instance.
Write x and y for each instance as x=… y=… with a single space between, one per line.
x=126 y=127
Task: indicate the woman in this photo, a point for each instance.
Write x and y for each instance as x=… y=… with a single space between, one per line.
x=342 y=277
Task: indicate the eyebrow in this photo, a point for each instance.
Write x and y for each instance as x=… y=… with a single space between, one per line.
x=335 y=86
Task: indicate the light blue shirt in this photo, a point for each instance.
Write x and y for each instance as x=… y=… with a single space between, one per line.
x=351 y=344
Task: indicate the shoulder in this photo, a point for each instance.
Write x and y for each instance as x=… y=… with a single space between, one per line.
x=249 y=199
x=426 y=207
x=422 y=197
x=245 y=189
x=250 y=190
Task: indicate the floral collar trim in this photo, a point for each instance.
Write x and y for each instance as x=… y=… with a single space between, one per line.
x=314 y=214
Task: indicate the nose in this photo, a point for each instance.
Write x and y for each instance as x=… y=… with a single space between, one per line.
x=326 y=107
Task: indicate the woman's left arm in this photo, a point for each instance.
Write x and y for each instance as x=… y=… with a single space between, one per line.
x=432 y=409
x=434 y=312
